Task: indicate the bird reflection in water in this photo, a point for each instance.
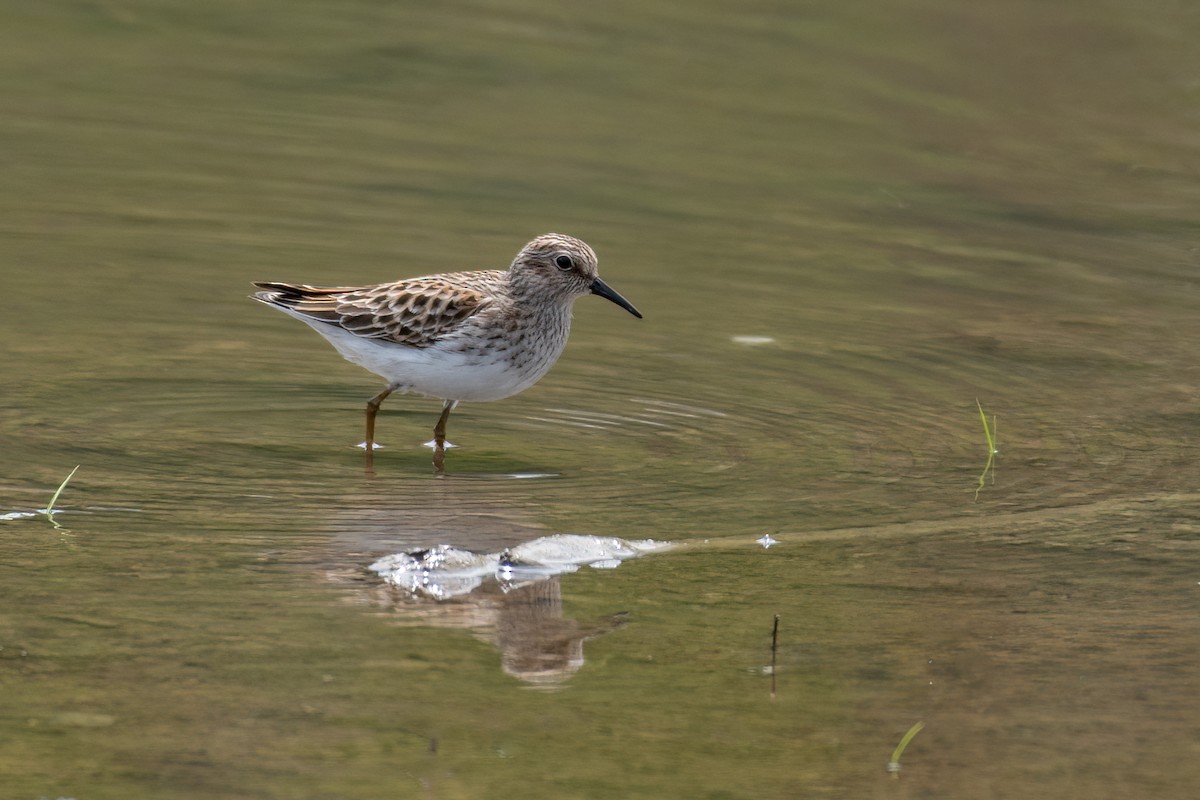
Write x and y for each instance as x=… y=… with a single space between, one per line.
x=510 y=598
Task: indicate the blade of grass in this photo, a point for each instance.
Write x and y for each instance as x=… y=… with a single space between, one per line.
x=992 y=445
x=49 y=509
x=894 y=764
x=989 y=433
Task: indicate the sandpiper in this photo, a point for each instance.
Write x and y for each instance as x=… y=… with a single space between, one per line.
x=479 y=335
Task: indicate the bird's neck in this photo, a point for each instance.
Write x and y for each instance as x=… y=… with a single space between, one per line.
x=533 y=299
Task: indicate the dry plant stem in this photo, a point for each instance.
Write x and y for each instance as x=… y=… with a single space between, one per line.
x=774 y=650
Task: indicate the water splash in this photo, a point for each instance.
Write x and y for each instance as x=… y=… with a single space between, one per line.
x=443 y=571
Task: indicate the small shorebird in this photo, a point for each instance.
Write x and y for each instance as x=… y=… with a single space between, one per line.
x=480 y=335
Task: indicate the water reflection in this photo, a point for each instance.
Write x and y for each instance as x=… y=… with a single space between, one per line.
x=455 y=558
x=537 y=644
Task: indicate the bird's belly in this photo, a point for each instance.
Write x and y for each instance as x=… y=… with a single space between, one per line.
x=443 y=372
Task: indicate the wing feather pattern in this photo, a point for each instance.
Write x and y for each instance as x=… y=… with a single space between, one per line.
x=414 y=312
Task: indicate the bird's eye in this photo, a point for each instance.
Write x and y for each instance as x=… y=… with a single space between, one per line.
x=564 y=262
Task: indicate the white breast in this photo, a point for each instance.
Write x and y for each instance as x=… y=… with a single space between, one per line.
x=447 y=370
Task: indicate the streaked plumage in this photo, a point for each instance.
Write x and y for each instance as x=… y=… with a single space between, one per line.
x=481 y=335
x=414 y=312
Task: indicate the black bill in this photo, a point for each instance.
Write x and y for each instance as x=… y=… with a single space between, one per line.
x=608 y=293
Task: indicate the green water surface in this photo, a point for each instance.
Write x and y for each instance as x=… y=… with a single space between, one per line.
x=845 y=223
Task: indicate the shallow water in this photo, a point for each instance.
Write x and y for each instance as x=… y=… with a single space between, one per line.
x=845 y=225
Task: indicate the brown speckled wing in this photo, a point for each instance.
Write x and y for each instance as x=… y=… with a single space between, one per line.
x=415 y=312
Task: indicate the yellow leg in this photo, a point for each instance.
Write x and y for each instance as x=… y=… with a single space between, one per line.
x=439 y=436
x=373 y=409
